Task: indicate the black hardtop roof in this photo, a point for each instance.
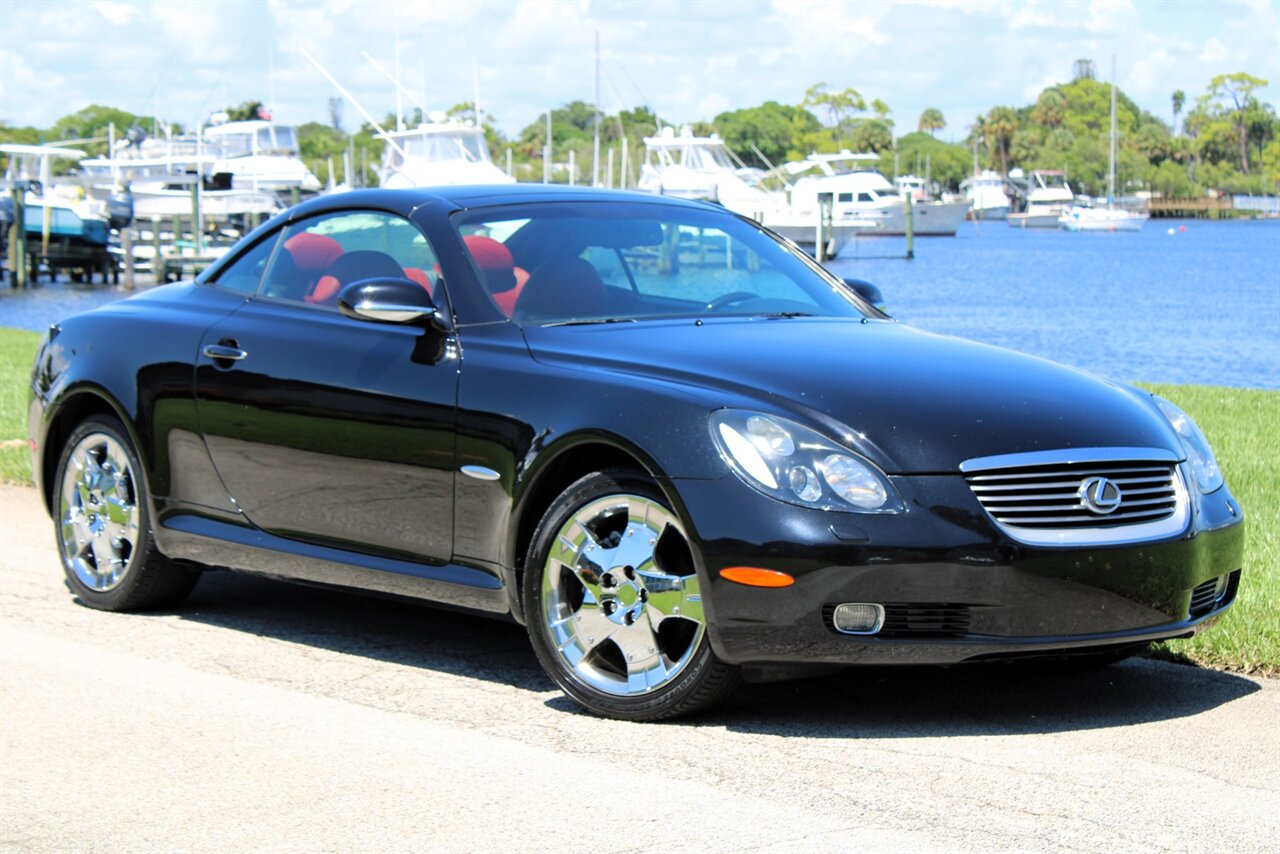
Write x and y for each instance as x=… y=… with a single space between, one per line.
x=462 y=196
x=474 y=196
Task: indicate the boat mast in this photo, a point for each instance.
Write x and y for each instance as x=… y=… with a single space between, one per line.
x=595 y=157
x=1111 y=173
x=399 y=103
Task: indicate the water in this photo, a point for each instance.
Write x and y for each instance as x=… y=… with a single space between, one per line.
x=1200 y=306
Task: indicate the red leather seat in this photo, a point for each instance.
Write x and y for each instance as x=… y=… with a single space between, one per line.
x=312 y=255
x=502 y=278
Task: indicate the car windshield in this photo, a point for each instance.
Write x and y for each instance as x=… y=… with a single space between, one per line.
x=570 y=262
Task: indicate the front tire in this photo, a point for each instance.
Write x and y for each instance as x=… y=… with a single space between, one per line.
x=614 y=606
x=102 y=521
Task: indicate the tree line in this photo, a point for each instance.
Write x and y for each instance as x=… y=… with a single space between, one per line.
x=1228 y=140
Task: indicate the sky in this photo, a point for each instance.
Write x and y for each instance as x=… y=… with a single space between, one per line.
x=184 y=59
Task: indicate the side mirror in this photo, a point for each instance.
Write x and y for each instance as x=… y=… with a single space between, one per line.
x=389 y=300
x=867 y=291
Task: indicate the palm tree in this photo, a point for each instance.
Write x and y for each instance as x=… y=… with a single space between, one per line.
x=999 y=127
x=931 y=120
x=1179 y=98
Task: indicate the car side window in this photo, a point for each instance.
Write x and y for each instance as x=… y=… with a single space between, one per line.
x=320 y=255
x=245 y=273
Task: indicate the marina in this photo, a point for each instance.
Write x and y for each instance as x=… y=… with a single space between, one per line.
x=1199 y=306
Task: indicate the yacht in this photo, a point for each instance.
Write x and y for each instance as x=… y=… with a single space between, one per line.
x=862 y=195
x=159 y=175
x=692 y=167
x=1048 y=196
x=986 y=194
x=438 y=152
x=258 y=155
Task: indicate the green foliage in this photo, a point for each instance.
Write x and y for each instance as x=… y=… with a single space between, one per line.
x=93 y=122
x=931 y=121
x=948 y=163
x=247 y=111
x=771 y=128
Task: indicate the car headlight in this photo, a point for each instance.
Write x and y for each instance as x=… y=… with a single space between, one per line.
x=800 y=466
x=1204 y=465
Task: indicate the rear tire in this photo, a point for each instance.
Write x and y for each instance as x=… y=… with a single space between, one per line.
x=614 y=607
x=102 y=522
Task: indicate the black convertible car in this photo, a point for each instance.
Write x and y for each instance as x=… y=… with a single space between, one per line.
x=668 y=442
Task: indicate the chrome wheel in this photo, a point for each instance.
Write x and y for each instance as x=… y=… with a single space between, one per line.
x=620 y=601
x=98 y=513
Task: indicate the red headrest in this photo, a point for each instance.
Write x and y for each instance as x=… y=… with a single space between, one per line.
x=313 y=252
x=490 y=255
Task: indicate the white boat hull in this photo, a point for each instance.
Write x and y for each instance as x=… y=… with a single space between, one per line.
x=995 y=213
x=1038 y=219
x=929 y=219
x=1094 y=219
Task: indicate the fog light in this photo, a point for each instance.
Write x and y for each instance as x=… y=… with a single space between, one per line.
x=858 y=618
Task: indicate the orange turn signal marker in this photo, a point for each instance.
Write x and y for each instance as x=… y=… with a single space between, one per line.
x=754 y=577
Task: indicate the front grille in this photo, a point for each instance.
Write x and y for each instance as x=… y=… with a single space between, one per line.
x=1213 y=594
x=1045 y=498
x=917 y=619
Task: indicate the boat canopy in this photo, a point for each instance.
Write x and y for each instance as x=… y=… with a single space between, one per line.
x=242 y=139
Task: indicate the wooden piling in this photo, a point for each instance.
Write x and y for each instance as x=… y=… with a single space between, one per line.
x=18 y=238
x=911 y=228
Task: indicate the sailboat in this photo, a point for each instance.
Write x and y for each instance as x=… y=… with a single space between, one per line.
x=1110 y=218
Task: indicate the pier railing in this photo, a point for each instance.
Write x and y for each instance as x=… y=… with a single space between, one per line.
x=1203 y=208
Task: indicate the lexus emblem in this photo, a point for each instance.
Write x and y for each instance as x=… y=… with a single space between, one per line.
x=1100 y=495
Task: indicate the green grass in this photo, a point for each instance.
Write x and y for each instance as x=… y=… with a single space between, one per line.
x=1242 y=424
x=17 y=351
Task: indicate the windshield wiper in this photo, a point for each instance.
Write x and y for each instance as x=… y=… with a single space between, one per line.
x=786 y=314
x=592 y=321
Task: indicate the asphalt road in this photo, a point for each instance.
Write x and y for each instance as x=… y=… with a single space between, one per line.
x=274 y=717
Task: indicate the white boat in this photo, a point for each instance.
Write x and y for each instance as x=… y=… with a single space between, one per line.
x=54 y=203
x=71 y=229
x=1110 y=218
x=438 y=153
x=259 y=155
x=160 y=173
x=1046 y=201
x=931 y=218
x=986 y=194
x=1080 y=218
x=692 y=167
x=862 y=195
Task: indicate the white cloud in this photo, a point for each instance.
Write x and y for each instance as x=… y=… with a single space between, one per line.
x=830 y=28
x=115 y=12
x=1035 y=14
x=1214 y=52
x=713 y=105
x=1109 y=16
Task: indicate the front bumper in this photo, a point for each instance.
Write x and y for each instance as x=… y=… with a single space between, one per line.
x=953 y=586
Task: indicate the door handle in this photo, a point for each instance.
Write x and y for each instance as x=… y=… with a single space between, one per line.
x=223 y=353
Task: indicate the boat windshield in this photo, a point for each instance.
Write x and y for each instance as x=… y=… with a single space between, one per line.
x=277 y=139
x=446 y=146
x=233 y=144
x=598 y=262
x=706 y=157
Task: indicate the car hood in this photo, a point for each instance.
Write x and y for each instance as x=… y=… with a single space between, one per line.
x=916 y=402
